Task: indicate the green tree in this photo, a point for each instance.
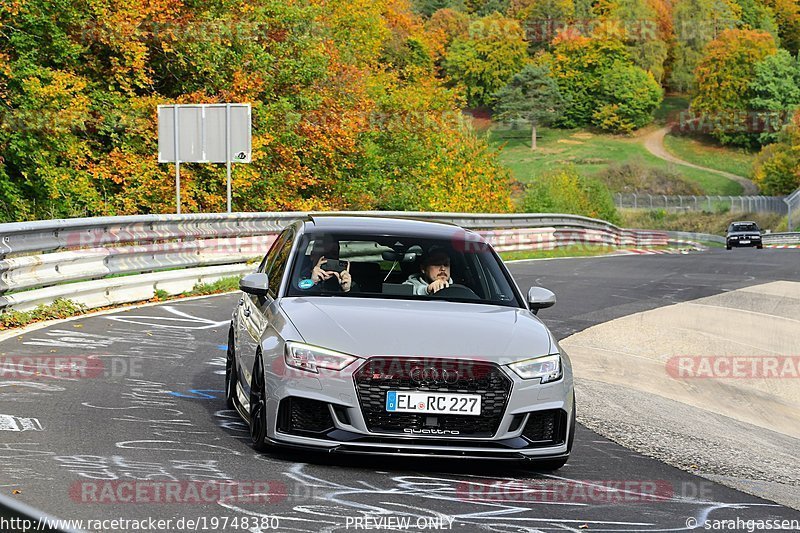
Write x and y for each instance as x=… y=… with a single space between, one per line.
x=696 y=23
x=758 y=16
x=629 y=97
x=485 y=61
x=578 y=66
x=531 y=96
x=775 y=88
x=634 y=23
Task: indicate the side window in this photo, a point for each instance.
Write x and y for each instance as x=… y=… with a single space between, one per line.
x=276 y=267
x=273 y=251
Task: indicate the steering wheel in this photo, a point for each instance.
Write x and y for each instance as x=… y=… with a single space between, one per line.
x=457 y=291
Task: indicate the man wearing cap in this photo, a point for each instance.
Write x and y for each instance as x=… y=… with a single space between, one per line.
x=434 y=273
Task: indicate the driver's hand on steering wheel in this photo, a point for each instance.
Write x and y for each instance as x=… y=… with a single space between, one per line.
x=438 y=285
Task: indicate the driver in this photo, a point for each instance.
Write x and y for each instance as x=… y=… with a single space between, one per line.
x=434 y=272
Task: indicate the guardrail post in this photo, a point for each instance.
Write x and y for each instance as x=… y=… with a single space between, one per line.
x=651 y=200
x=634 y=201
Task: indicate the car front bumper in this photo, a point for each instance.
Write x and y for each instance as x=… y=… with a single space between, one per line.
x=326 y=412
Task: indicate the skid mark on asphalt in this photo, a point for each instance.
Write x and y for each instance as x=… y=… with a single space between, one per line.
x=183 y=320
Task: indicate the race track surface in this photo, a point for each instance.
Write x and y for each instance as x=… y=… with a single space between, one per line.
x=152 y=413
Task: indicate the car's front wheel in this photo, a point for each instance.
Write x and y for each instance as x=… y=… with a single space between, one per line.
x=258 y=407
x=231 y=375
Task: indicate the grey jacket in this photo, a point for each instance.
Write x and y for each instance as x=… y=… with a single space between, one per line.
x=419 y=284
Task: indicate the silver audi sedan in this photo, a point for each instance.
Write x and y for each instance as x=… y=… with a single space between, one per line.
x=402 y=337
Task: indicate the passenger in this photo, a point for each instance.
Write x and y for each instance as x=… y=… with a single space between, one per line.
x=328 y=280
x=434 y=272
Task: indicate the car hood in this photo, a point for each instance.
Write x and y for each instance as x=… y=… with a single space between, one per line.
x=368 y=327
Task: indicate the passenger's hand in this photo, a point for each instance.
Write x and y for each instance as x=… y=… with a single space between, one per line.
x=438 y=285
x=345 y=280
x=318 y=274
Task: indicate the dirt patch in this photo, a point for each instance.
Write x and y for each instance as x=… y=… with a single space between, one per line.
x=568 y=141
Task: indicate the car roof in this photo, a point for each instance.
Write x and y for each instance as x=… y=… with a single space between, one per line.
x=386 y=226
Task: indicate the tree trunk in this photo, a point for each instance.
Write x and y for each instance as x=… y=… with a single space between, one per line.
x=533 y=137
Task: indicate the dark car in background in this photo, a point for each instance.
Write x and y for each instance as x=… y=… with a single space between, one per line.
x=743 y=233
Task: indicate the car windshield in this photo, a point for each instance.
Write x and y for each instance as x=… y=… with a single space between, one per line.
x=401 y=268
x=744 y=227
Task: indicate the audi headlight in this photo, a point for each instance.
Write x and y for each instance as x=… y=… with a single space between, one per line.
x=312 y=358
x=548 y=368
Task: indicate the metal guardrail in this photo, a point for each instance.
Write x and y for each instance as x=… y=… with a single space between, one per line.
x=82 y=259
x=741 y=204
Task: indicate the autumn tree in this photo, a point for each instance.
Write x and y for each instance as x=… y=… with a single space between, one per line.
x=776 y=169
x=531 y=96
x=787 y=17
x=724 y=75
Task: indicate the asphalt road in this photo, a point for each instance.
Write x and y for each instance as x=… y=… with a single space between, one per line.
x=148 y=423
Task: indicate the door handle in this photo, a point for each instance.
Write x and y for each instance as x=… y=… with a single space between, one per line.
x=241 y=300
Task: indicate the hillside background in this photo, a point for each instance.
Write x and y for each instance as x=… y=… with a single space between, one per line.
x=360 y=104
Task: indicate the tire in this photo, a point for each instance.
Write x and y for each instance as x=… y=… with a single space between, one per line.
x=727 y=247
x=258 y=407
x=760 y=247
x=231 y=375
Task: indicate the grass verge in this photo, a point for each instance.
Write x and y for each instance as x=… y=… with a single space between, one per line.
x=708 y=154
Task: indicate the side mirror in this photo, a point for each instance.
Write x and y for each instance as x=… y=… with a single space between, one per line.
x=255 y=284
x=540 y=298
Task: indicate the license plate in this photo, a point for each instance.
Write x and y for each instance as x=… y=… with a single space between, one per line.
x=433 y=403
x=744 y=242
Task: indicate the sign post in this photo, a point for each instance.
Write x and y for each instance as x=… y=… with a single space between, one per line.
x=204 y=133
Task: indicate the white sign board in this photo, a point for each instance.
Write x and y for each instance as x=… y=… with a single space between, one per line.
x=203 y=132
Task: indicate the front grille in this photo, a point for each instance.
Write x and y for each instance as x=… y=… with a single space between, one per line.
x=379 y=375
x=304 y=416
x=546 y=428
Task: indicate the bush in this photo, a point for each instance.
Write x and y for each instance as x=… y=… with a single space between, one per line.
x=634 y=176
x=60 y=308
x=566 y=191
